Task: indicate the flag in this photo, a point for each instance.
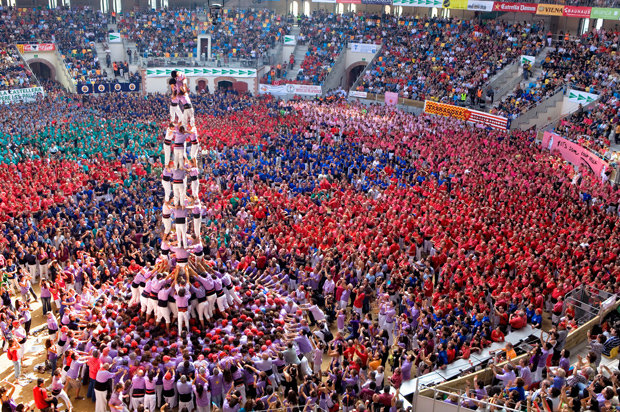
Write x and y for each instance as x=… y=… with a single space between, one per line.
x=391 y=98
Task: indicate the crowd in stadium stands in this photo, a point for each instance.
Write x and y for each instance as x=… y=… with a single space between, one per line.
x=589 y=384
x=239 y=34
x=596 y=127
x=589 y=62
x=14 y=73
x=73 y=30
x=446 y=59
x=314 y=202
x=361 y=246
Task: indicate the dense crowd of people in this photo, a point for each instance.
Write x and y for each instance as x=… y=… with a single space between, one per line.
x=74 y=31
x=239 y=34
x=227 y=251
x=14 y=73
x=349 y=248
x=589 y=63
x=445 y=59
x=596 y=127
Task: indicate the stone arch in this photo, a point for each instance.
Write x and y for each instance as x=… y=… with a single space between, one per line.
x=201 y=82
x=216 y=82
x=350 y=69
x=36 y=62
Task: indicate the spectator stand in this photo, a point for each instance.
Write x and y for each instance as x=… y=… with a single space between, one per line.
x=587 y=302
x=575 y=341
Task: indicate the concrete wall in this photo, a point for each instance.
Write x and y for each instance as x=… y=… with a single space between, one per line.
x=160 y=84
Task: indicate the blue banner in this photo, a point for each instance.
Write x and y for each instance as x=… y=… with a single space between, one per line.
x=379 y=2
x=107 y=87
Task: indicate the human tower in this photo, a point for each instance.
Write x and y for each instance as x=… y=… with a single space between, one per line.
x=166 y=293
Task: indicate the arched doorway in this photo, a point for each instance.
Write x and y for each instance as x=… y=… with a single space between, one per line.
x=201 y=86
x=224 y=85
x=307 y=8
x=353 y=72
x=294 y=8
x=42 y=69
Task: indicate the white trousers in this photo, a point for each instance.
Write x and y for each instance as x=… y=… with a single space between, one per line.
x=150 y=402
x=183 y=320
x=179 y=157
x=197 y=224
x=167 y=224
x=167 y=189
x=101 y=401
x=181 y=229
x=179 y=190
x=175 y=113
x=163 y=313
x=167 y=153
x=195 y=186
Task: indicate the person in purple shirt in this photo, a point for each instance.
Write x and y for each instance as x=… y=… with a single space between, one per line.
x=150 y=398
x=169 y=388
x=179 y=148
x=138 y=389
x=181 y=298
x=116 y=402
x=202 y=396
x=216 y=383
x=101 y=387
x=180 y=223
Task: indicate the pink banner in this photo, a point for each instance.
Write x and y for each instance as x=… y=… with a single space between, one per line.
x=574 y=153
x=391 y=98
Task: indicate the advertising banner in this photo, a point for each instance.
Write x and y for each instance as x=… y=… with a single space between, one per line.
x=29 y=94
x=391 y=98
x=379 y=2
x=324 y=1
x=419 y=3
x=363 y=48
x=550 y=10
x=201 y=72
x=361 y=95
x=514 y=7
x=289 y=40
x=527 y=59
x=604 y=13
x=273 y=90
x=581 y=12
x=114 y=38
x=575 y=154
x=105 y=87
x=38 y=47
x=480 y=5
x=462 y=113
x=284 y=89
x=455 y=4
x=581 y=97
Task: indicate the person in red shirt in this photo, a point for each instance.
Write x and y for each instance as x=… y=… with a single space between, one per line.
x=94 y=364
x=497 y=335
x=359 y=301
x=43 y=402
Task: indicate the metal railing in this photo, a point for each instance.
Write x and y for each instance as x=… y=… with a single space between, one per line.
x=195 y=62
x=438 y=395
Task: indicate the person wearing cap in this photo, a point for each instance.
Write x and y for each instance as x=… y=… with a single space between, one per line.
x=169 y=387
